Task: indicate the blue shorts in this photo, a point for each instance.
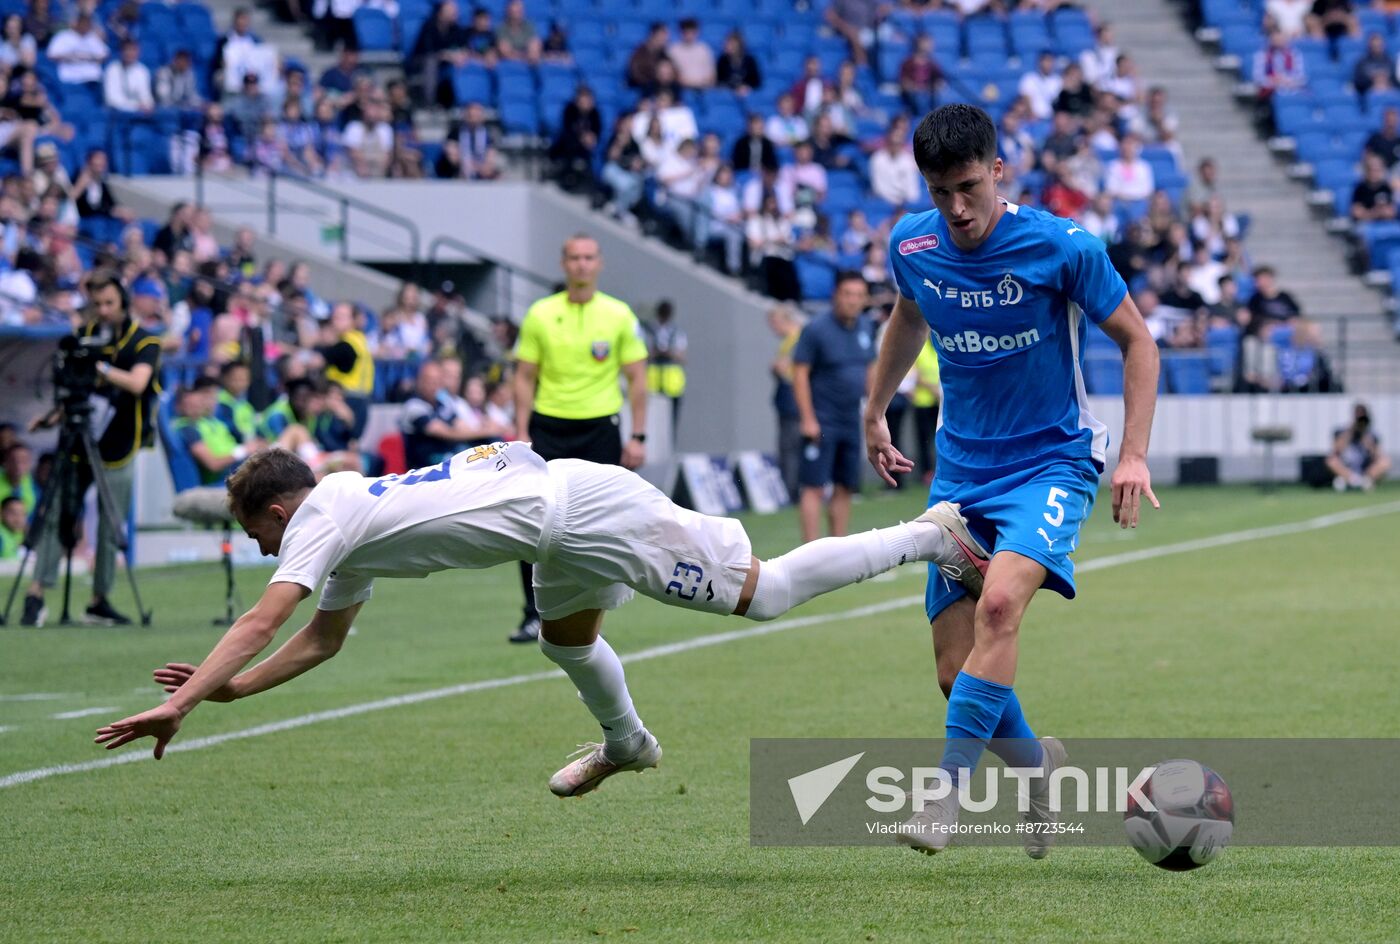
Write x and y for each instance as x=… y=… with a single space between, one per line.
x=1036 y=512
x=835 y=459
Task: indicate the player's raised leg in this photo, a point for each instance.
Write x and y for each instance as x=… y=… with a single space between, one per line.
x=939 y=536
x=572 y=643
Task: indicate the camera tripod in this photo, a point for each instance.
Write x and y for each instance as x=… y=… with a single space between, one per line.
x=65 y=489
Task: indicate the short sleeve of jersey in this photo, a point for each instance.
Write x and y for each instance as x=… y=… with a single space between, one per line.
x=899 y=264
x=341 y=593
x=805 y=350
x=631 y=347
x=189 y=435
x=527 y=346
x=1090 y=281
x=311 y=548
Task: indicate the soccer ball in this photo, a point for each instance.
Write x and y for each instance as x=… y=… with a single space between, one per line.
x=1195 y=816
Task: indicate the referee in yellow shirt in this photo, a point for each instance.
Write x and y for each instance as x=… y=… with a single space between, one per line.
x=572 y=348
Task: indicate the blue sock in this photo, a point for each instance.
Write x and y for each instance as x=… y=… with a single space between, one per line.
x=975 y=708
x=1013 y=739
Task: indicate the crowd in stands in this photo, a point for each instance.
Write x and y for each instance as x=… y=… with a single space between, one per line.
x=1326 y=75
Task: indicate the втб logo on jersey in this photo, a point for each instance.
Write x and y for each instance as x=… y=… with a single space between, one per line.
x=1007 y=292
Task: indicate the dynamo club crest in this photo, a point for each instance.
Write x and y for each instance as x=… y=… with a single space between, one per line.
x=600 y=350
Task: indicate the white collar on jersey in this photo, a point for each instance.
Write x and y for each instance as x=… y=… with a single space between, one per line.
x=1010 y=207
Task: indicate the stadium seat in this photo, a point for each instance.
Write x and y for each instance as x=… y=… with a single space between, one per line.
x=816 y=277
x=374 y=31
x=1222 y=347
x=471 y=83
x=984 y=35
x=519 y=117
x=1103 y=373
x=1188 y=373
x=184 y=471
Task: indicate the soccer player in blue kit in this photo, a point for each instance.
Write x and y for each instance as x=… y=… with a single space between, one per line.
x=1006 y=291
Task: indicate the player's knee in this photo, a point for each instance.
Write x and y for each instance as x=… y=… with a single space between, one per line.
x=997 y=614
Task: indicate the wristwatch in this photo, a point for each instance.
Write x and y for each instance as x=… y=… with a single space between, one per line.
x=639 y=437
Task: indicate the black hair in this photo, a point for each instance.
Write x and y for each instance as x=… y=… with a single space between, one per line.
x=954 y=136
x=203 y=382
x=230 y=367
x=849 y=275
x=10 y=498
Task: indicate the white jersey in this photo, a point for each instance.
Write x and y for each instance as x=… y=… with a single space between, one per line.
x=486 y=506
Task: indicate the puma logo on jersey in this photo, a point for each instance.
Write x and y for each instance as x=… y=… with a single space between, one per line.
x=1072 y=230
x=1048 y=540
x=936 y=289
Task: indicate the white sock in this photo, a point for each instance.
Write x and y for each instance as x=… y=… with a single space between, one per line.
x=597 y=673
x=822 y=566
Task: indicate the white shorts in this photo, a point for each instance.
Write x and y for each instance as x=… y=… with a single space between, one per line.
x=613 y=533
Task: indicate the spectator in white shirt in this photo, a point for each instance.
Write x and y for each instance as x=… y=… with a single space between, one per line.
x=1128 y=176
x=676 y=119
x=726 y=217
x=370 y=140
x=787 y=127
x=683 y=178
x=693 y=59
x=1101 y=62
x=126 y=83
x=765 y=185
x=1041 y=87
x=1291 y=16
x=894 y=177
x=79 y=52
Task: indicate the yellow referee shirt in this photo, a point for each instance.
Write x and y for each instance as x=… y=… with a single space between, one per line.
x=580 y=351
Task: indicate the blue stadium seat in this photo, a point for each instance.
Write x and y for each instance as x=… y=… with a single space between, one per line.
x=892 y=55
x=1103 y=373
x=1222 y=347
x=630 y=34
x=1242 y=40
x=984 y=36
x=587 y=32
x=1373 y=21
x=410 y=25
x=515 y=79
x=1188 y=373
x=557 y=80
x=519 y=117
x=374 y=31
x=184 y=471
x=946 y=31
x=1382 y=238
x=816 y=277
x=157 y=19
x=471 y=83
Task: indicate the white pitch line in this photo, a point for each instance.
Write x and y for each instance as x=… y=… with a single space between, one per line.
x=39 y=696
x=83 y=713
x=6 y=727
x=687 y=645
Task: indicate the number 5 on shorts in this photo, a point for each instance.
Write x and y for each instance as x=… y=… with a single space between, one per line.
x=1053 y=500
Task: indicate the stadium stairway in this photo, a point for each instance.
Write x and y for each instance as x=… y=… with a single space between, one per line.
x=1282 y=233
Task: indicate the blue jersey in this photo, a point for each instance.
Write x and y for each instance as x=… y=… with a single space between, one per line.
x=1008 y=325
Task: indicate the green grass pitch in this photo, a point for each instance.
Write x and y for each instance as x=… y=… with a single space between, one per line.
x=431 y=821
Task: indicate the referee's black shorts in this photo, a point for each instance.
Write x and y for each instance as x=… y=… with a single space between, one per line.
x=596 y=440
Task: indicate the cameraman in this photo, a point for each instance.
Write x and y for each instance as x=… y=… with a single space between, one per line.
x=127 y=380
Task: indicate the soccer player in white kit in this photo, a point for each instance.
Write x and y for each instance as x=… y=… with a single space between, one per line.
x=596 y=534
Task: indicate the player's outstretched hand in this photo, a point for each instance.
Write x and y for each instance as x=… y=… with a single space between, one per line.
x=1131 y=483
x=174 y=674
x=161 y=722
x=886 y=459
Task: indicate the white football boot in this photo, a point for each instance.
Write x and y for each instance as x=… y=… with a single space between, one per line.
x=1038 y=809
x=960 y=556
x=931 y=829
x=592 y=767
